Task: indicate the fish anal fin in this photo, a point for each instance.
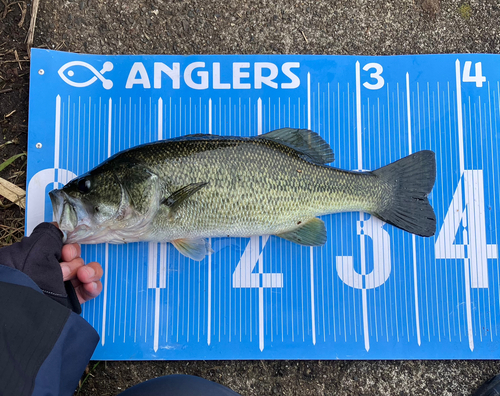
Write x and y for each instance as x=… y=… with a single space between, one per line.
x=303 y=140
x=195 y=249
x=178 y=197
x=309 y=233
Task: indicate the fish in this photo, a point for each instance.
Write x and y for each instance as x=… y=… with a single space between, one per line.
x=187 y=189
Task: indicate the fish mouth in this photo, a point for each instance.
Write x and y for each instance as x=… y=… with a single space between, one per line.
x=68 y=215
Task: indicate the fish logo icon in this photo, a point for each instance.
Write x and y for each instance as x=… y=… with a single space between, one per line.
x=68 y=68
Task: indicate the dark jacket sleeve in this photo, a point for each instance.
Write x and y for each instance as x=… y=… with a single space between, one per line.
x=44 y=345
x=38 y=257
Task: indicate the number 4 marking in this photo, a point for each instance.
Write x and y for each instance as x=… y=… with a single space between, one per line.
x=472 y=217
x=479 y=79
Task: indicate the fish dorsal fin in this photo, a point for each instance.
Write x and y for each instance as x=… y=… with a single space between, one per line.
x=179 y=196
x=310 y=233
x=304 y=141
x=194 y=136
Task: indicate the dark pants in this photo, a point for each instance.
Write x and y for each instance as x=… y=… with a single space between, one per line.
x=179 y=385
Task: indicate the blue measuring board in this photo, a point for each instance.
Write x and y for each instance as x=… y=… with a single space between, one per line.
x=372 y=291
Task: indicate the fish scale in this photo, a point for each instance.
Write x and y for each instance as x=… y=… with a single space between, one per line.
x=251 y=189
x=187 y=189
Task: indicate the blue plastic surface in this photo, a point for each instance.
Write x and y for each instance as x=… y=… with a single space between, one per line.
x=373 y=291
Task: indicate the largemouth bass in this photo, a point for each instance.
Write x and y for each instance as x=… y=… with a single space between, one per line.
x=187 y=189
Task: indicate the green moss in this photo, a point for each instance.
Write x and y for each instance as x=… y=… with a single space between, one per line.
x=465 y=11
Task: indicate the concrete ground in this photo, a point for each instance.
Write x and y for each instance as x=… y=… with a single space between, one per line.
x=365 y=27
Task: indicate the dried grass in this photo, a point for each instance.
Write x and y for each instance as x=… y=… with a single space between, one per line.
x=12 y=229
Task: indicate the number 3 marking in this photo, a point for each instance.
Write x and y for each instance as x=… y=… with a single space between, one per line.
x=376 y=75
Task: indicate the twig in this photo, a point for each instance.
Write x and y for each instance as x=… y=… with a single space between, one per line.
x=7 y=5
x=17 y=59
x=304 y=35
x=13 y=193
x=23 y=13
x=14 y=61
x=59 y=46
x=6 y=144
x=5 y=90
x=5 y=9
x=12 y=232
x=31 y=30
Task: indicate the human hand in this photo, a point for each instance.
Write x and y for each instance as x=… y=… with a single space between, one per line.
x=85 y=278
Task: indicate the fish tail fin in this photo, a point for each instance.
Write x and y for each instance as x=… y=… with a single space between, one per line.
x=412 y=179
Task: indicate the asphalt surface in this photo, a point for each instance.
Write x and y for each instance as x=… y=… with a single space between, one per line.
x=279 y=27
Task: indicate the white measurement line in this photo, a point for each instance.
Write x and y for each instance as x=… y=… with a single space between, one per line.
x=125 y=313
x=153 y=282
x=311 y=249
x=57 y=141
x=157 y=321
x=386 y=296
x=259 y=116
x=209 y=291
x=460 y=118
x=89 y=134
x=264 y=240
x=261 y=297
x=470 y=330
x=364 y=299
x=156 y=107
x=160 y=119
x=494 y=200
x=413 y=240
x=77 y=145
x=343 y=287
x=115 y=284
x=308 y=101
x=425 y=267
x=106 y=252
x=451 y=112
x=441 y=167
x=110 y=117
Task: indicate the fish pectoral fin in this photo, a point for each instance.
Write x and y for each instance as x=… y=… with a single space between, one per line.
x=303 y=140
x=179 y=196
x=195 y=249
x=310 y=233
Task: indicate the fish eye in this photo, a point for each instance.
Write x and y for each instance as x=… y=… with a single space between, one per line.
x=84 y=186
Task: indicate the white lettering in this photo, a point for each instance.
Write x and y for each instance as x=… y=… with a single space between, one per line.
x=238 y=75
x=174 y=73
x=295 y=81
x=264 y=73
x=138 y=68
x=202 y=74
x=268 y=80
x=217 y=83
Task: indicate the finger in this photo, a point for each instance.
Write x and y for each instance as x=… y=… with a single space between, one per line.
x=91 y=272
x=69 y=269
x=70 y=252
x=88 y=291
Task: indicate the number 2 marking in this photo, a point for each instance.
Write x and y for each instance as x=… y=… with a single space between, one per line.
x=376 y=75
x=243 y=275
